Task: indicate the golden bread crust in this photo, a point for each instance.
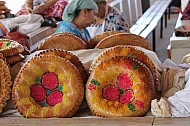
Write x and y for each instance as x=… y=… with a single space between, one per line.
x=129 y=51
x=69 y=56
x=123 y=39
x=48 y=86
x=119 y=87
x=15 y=59
x=66 y=41
x=5 y=83
x=96 y=39
x=10 y=47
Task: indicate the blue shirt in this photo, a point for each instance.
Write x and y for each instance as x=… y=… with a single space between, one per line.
x=70 y=27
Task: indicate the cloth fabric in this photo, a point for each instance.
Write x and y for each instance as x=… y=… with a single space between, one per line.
x=173 y=80
x=187 y=74
x=114 y=21
x=180 y=102
x=55 y=10
x=70 y=27
x=24 y=23
x=160 y=108
x=20 y=38
x=186 y=58
x=4 y=30
x=74 y=5
x=95 y=30
x=186 y=12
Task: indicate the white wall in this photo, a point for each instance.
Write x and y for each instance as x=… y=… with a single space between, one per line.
x=14 y=5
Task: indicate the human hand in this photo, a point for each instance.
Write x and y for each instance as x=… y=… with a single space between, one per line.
x=29 y=10
x=39 y=9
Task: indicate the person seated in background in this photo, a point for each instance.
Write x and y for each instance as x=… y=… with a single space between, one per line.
x=46 y=8
x=108 y=19
x=78 y=15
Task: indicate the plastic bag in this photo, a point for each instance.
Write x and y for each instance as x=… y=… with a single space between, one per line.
x=4 y=30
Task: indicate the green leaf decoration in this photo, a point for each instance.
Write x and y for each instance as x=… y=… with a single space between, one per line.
x=48 y=92
x=38 y=79
x=121 y=91
x=133 y=55
x=136 y=66
x=8 y=43
x=131 y=107
x=60 y=88
x=43 y=103
x=95 y=82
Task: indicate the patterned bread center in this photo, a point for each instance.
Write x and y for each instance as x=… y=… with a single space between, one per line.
x=120 y=88
x=46 y=90
x=7 y=45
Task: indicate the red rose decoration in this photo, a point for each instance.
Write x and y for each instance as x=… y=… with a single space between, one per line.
x=127 y=97
x=111 y=92
x=54 y=97
x=92 y=87
x=50 y=80
x=38 y=92
x=124 y=81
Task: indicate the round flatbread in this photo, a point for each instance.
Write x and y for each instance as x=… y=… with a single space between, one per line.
x=66 y=41
x=129 y=51
x=5 y=83
x=15 y=59
x=10 y=47
x=48 y=86
x=119 y=87
x=123 y=39
x=96 y=39
x=61 y=33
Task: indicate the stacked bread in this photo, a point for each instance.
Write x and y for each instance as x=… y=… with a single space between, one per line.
x=11 y=50
x=123 y=81
x=4 y=11
x=5 y=82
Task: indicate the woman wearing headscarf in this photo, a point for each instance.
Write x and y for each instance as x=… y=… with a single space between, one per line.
x=108 y=19
x=77 y=15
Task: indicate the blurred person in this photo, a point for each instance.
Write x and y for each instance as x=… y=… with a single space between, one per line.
x=108 y=19
x=46 y=8
x=78 y=15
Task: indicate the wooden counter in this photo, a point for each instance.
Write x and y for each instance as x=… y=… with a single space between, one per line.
x=128 y=121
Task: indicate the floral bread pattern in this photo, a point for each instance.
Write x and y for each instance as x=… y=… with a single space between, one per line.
x=120 y=86
x=48 y=86
x=47 y=90
x=69 y=56
x=129 y=51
